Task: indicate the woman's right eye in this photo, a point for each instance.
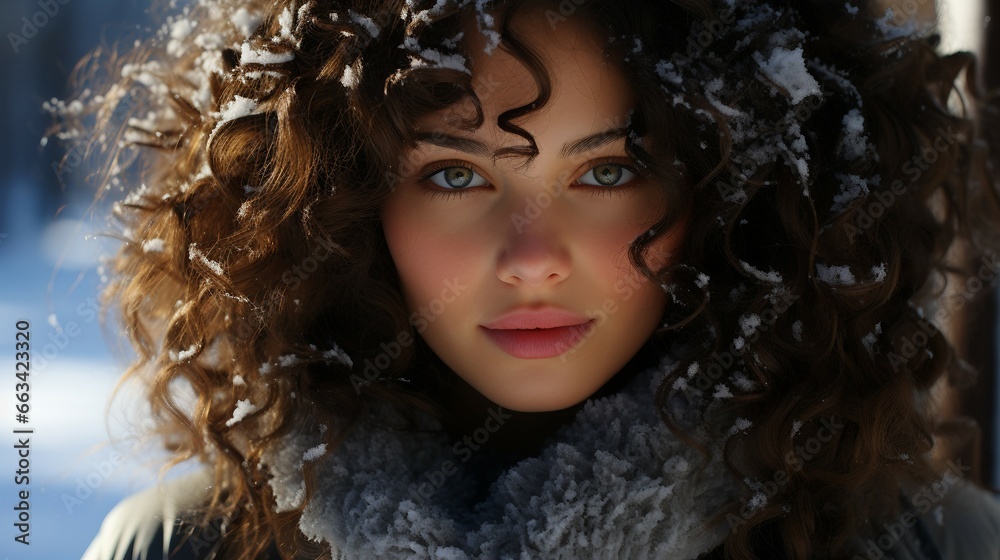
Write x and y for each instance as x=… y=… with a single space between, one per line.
x=454 y=177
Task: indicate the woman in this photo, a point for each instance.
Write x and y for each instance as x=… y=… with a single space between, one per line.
x=537 y=279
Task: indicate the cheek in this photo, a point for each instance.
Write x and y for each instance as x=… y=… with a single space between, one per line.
x=607 y=234
x=427 y=256
x=641 y=299
x=665 y=250
x=410 y=253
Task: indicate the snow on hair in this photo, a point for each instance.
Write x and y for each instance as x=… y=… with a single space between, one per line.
x=269 y=132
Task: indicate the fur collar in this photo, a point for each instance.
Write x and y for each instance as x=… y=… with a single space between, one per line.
x=614 y=483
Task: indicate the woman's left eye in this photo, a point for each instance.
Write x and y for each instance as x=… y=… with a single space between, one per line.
x=609 y=175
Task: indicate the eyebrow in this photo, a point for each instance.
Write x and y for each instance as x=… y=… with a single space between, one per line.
x=470 y=146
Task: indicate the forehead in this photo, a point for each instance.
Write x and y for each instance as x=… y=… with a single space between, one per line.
x=588 y=91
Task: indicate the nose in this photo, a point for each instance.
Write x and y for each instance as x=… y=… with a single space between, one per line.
x=534 y=254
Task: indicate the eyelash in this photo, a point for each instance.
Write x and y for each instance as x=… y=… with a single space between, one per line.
x=436 y=168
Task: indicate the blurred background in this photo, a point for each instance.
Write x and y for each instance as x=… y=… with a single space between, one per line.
x=50 y=274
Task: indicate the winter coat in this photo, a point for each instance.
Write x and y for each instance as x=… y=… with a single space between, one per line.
x=614 y=483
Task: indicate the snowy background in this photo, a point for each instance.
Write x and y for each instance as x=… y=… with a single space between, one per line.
x=49 y=275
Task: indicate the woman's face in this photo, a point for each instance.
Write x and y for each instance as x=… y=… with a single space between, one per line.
x=476 y=241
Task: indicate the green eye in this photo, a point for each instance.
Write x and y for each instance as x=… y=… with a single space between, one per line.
x=608 y=175
x=454 y=177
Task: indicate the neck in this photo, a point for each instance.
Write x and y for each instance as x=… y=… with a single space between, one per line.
x=521 y=434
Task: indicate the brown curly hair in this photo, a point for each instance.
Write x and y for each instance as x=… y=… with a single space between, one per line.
x=822 y=214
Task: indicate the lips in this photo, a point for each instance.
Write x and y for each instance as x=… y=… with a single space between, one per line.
x=538 y=334
x=538 y=318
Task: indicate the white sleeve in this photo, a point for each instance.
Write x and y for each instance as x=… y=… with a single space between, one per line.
x=967 y=523
x=136 y=520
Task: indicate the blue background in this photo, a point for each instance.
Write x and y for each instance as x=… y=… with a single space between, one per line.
x=50 y=243
x=49 y=246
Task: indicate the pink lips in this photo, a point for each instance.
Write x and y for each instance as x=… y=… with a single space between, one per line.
x=543 y=333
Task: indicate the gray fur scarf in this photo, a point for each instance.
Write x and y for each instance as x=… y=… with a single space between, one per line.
x=614 y=483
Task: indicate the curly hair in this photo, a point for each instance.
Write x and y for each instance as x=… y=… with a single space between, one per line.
x=823 y=205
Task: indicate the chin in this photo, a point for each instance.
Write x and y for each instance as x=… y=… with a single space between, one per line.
x=536 y=403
